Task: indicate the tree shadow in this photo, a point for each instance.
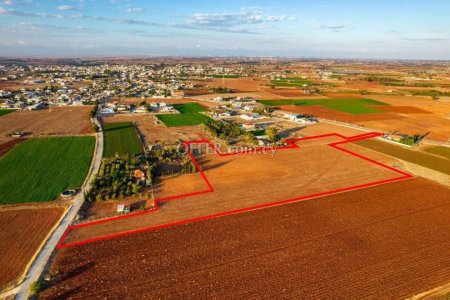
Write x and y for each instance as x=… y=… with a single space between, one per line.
x=75 y=272
x=137 y=205
x=288 y=132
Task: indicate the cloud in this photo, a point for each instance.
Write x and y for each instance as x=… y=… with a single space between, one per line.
x=244 y=21
x=10 y=43
x=334 y=28
x=425 y=39
x=67 y=8
x=135 y=10
x=17 y=2
x=248 y=21
x=30 y=27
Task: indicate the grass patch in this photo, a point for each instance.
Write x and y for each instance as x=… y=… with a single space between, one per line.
x=39 y=169
x=352 y=106
x=415 y=157
x=6 y=111
x=226 y=76
x=188 y=119
x=290 y=82
x=439 y=150
x=189 y=108
x=189 y=115
x=121 y=138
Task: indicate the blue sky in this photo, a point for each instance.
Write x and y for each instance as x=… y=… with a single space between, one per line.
x=335 y=29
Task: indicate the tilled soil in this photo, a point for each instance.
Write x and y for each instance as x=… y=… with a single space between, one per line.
x=21 y=233
x=247 y=180
x=389 y=241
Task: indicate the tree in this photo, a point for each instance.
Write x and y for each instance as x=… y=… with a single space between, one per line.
x=271 y=133
x=135 y=188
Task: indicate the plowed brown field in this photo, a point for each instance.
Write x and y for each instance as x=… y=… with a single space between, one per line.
x=21 y=233
x=53 y=121
x=248 y=180
x=5 y=147
x=389 y=241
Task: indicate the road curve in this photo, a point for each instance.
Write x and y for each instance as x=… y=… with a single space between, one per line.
x=35 y=271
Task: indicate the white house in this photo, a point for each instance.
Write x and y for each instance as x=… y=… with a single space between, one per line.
x=154 y=106
x=107 y=111
x=250 y=116
x=141 y=109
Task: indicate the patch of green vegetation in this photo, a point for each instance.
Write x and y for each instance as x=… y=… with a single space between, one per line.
x=189 y=115
x=39 y=169
x=6 y=111
x=223 y=90
x=189 y=107
x=290 y=82
x=439 y=150
x=410 y=139
x=36 y=287
x=226 y=76
x=431 y=93
x=389 y=81
x=258 y=132
x=224 y=130
x=416 y=157
x=352 y=106
x=188 y=119
x=113 y=180
x=121 y=138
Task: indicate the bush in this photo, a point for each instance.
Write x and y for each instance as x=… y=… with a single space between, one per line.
x=271 y=133
x=36 y=287
x=410 y=139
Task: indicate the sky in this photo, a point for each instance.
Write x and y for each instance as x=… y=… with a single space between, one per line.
x=383 y=29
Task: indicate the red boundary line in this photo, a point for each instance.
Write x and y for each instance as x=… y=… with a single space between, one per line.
x=291 y=143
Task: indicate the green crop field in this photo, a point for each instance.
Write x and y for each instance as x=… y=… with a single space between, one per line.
x=188 y=119
x=189 y=107
x=6 y=111
x=439 y=150
x=189 y=115
x=352 y=106
x=39 y=169
x=121 y=138
x=290 y=82
x=416 y=157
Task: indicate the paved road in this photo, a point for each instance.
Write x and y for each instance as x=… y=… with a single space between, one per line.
x=41 y=260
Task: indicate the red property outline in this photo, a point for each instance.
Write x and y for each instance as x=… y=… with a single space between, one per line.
x=291 y=143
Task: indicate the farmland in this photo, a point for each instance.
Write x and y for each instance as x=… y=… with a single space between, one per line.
x=49 y=122
x=290 y=82
x=39 y=169
x=6 y=111
x=314 y=168
x=22 y=231
x=388 y=241
x=352 y=106
x=439 y=150
x=121 y=138
x=189 y=115
x=228 y=76
x=415 y=157
x=5 y=147
x=152 y=130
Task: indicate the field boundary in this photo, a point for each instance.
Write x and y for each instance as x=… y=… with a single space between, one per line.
x=291 y=143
